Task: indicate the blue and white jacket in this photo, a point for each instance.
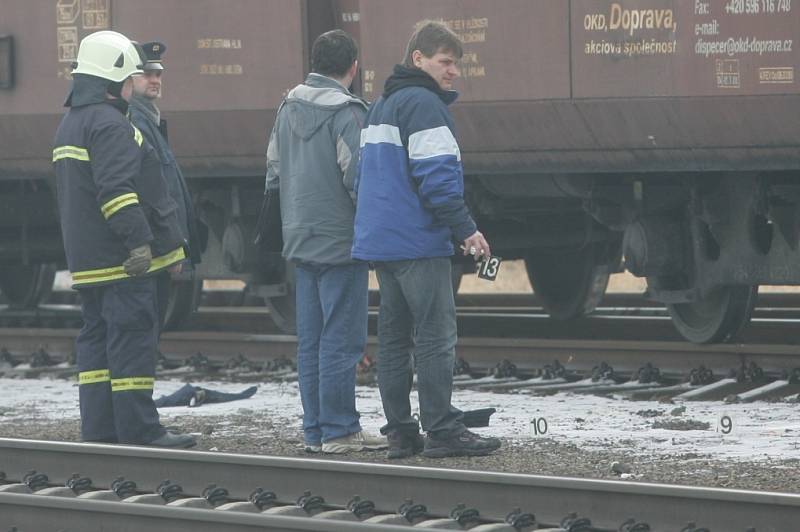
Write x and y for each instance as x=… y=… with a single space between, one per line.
x=410 y=184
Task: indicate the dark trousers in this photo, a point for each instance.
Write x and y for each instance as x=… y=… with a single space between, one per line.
x=116 y=355
x=163 y=288
x=417 y=330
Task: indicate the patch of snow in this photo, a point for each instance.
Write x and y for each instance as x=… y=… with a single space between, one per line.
x=758 y=430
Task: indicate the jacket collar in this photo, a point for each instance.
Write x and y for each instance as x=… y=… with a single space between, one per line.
x=147 y=107
x=323 y=91
x=403 y=76
x=86 y=90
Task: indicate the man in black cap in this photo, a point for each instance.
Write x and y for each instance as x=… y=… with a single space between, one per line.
x=146 y=116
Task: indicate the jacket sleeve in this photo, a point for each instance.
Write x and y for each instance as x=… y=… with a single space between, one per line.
x=434 y=160
x=359 y=163
x=347 y=136
x=273 y=160
x=116 y=162
x=158 y=205
x=161 y=188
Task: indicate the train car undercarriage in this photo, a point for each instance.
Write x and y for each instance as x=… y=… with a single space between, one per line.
x=707 y=245
x=703 y=242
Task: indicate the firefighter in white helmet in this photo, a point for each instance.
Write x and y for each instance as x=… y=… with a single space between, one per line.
x=119 y=228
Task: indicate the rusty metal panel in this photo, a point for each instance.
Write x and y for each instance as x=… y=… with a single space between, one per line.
x=695 y=85
x=348 y=17
x=228 y=65
x=237 y=54
x=37 y=89
x=627 y=48
x=6 y=61
x=513 y=50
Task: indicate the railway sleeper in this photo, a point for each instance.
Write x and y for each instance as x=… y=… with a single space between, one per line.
x=777 y=388
x=165 y=493
x=261 y=501
x=360 y=511
x=211 y=497
x=409 y=513
x=307 y=505
x=258 y=501
x=120 y=489
x=31 y=482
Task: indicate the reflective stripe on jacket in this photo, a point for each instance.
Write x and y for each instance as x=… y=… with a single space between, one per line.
x=111 y=195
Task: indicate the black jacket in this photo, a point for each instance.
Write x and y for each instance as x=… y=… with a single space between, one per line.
x=154 y=131
x=111 y=194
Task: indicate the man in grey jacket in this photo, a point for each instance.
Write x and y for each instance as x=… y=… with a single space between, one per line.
x=312 y=160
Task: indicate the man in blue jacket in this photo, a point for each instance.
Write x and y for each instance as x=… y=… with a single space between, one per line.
x=410 y=207
x=311 y=161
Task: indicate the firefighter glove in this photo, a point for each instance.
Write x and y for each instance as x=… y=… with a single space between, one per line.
x=138 y=261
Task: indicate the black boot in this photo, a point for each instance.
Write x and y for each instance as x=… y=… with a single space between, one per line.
x=465 y=444
x=404 y=444
x=174 y=441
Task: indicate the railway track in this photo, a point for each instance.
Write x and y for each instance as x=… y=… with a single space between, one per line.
x=643 y=369
x=620 y=317
x=234 y=297
x=776 y=304
x=221 y=492
x=496 y=349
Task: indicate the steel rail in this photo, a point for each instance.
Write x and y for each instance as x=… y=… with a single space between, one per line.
x=607 y=503
x=228 y=298
x=672 y=358
x=31 y=512
x=618 y=323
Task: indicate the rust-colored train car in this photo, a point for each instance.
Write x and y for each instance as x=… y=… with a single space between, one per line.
x=661 y=130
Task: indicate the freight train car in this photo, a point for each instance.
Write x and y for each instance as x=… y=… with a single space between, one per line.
x=660 y=131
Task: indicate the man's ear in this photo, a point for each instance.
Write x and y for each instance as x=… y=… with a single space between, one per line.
x=416 y=58
x=353 y=69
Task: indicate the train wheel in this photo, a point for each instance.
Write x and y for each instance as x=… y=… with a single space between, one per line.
x=282 y=308
x=27 y=286
x=569 y=284
x=183 y=299
x=720 y=317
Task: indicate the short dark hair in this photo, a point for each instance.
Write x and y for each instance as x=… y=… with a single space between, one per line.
x=430 y=38
x=333 y=53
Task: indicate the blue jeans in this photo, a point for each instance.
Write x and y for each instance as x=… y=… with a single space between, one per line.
x=331 y=337
x=417 y=331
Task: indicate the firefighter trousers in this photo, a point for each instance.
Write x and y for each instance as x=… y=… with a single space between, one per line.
x=116 y=354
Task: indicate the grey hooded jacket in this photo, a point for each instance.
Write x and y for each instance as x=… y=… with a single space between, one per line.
x=312 y=158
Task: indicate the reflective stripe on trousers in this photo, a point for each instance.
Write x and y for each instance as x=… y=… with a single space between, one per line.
x=116 y=353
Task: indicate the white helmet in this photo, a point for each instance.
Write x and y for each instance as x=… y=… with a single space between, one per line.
x=108 y=55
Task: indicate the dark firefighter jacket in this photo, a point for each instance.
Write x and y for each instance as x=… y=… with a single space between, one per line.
x=111 y=195
x=154 y=129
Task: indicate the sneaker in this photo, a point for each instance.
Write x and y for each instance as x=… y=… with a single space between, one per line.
x=175 y=441
x=404 y=444
x=357 y=441
x=465 y=444
x=312 y=448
